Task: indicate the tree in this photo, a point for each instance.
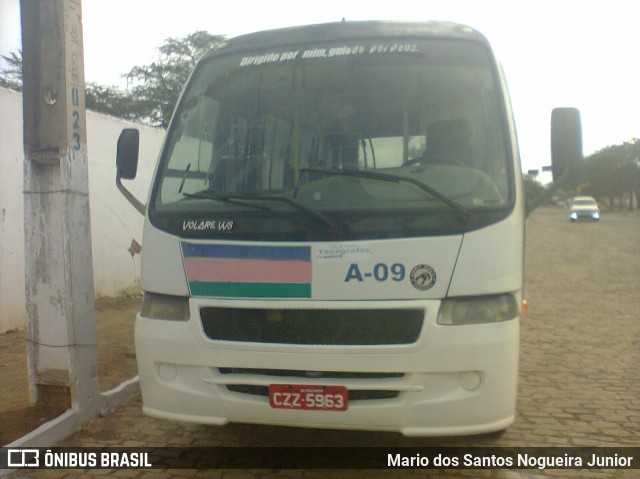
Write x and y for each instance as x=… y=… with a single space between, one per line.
x=11 y=77
x=614 y=172
x=156 y=86
x=111 y=101
x=532 y=188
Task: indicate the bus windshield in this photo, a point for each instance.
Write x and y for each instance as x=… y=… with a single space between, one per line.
x=385 y=139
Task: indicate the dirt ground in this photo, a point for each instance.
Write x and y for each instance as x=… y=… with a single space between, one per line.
x=116 y=363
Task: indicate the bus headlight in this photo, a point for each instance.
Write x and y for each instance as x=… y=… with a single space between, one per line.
x=478 y=310
x=163 y=306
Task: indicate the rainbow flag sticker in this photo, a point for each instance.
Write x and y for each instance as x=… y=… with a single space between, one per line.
x=245 y=271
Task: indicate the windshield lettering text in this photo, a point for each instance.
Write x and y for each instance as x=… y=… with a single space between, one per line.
x=268 y=58
x=276 y=57
x=394 y=48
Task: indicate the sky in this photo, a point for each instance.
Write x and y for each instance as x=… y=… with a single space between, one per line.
x=579 y=53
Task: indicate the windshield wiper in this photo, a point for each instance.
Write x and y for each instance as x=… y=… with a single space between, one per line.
x=241 y=200
x=460 y=210
x=206 y=195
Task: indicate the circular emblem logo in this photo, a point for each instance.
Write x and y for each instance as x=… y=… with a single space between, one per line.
x=423 y=277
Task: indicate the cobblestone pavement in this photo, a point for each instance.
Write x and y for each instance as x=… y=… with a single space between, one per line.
x=579 y=371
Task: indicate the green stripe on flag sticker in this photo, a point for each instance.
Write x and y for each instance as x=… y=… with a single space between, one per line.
x=251 y=290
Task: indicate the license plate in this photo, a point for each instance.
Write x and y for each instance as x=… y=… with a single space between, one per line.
x=309 y=397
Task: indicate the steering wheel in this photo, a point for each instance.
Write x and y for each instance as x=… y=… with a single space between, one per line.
x=438 y=160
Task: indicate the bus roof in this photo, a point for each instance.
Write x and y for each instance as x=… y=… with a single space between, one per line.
x=346 y=31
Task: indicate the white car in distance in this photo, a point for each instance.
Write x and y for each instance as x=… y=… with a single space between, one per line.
x=584 y=208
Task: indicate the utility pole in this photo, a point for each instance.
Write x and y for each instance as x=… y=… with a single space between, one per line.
x=61 y=330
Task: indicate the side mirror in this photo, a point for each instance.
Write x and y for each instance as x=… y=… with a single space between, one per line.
x=566 y=143
x=127 y=164
x=127 y=153
x=566 y=152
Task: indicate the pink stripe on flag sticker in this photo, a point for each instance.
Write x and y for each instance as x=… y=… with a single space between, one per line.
x=247 y=270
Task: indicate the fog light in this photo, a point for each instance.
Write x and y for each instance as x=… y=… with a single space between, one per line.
x=470 y=380
x=168 y=372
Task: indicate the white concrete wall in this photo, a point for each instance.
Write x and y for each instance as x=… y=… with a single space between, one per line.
x=12 y=211
x=114 y=222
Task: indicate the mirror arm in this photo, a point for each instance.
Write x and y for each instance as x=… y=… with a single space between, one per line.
x=137 y=204
x=544 y=196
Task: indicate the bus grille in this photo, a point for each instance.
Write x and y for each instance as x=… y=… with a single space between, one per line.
x=313 y=326
x=294 y=373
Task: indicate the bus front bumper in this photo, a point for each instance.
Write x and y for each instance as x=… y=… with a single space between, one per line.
x=455 y=380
